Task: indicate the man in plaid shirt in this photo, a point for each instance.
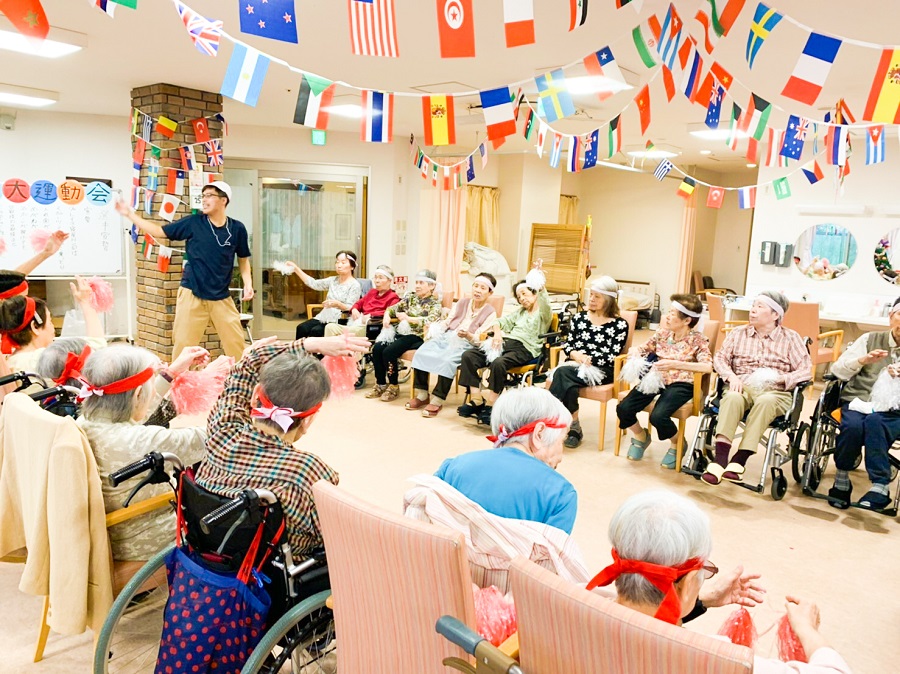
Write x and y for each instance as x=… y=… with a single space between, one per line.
x=763 y=344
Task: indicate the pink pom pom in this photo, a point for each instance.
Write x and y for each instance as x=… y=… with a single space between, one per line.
x=39 y=238
x=789 y=647
x=343 y=372
x=2 y=245
x=103 y=294
x=495 y=614
x=739 y=628
x=196 y=391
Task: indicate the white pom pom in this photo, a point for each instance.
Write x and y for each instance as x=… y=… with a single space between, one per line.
x=436 y=329
x=404 y=328
x=886 y=392
x=592 y=374
x=633 y=369
x=283 y=268
x=763 y=379
x=387 y=335
x=491 y=352
x=651 y=383
x=551 y=371
x=535 y=279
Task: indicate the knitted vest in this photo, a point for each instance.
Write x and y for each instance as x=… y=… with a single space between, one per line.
x=860 y=386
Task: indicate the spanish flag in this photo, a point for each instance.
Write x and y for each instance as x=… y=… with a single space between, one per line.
x=440 y=125
x=884 y=97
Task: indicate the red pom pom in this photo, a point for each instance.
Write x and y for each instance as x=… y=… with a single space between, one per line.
x=196 y=391
x=102 y=300
x=343 y=372
x=39 y=238
x=789 y=646
x=495 y=614
x=2 y=245
x=739 y=628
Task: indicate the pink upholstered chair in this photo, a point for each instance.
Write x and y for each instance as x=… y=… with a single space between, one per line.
x=565 y=628
x=804 y=318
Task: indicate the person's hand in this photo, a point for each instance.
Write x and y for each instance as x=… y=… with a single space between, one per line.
x=291 y=267
x=81 y=290
x=577 y=356
x=873 y=357
x=402 y=316
x=123 y=207
x=538 y=264
x=265 y=341
x=465 y=334
x=54 y=242
x=497 y=342
x=354 y=314
x=248 y=293
x=340 y=345
x=735 y=384
x=221 y=365
x=634 y=351
x=190 y=355
x=667 y=364
x=733 y=587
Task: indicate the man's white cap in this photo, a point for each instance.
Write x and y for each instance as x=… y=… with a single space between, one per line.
x=222 y=185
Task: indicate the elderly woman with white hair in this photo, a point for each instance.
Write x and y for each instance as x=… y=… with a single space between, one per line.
x=597 y=336
x=517 y=479
x=661 y=544
x=762 y=362
x=343 y=290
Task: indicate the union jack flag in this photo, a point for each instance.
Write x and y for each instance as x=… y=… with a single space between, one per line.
x=802 y=129
x=203 y=32
x=214 y=152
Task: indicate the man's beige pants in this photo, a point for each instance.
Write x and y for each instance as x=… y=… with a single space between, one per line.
x=192 y=315
x=764 y=408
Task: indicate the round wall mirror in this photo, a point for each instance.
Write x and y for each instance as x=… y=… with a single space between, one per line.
x=887 y=256
x=825 y=252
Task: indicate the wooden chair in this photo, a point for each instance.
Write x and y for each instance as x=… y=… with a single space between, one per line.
x=804 y=318
x=716 y=307
x=691 y=408
x=603 y=394
x=20 y=412
x=565 y=628
x=700 y=288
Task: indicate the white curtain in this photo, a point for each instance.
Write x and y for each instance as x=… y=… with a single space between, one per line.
x=568 y=209
x=443 y=231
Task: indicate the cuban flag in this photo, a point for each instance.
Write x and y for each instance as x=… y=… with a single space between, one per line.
x=378 y=117
x=245 y=75
x=874 y=145
x=107 y=6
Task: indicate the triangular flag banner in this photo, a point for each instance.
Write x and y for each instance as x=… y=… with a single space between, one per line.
x=715 y=197
x=163 y=259
x=782 y=188
x=169 y=207
x=245 y=75
x=747 y=197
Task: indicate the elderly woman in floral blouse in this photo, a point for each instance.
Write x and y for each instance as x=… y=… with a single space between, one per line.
x=343 y=292
x=680 y=351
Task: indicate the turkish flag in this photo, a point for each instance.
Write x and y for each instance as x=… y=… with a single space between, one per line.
x=456 y=28
x=27 y=16
x=201 y=129
x=715 y=198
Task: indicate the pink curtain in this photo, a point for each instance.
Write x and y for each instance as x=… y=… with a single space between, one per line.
x=443 y=229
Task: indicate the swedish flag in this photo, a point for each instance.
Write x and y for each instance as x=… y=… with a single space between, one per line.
x=764 y=21
x=554 y=99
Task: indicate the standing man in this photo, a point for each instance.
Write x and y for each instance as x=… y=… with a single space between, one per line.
x=213 y=239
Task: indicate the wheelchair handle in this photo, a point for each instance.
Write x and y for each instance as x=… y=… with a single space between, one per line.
x=247 y=499
x=456 y=632
x=148 y=462
x=37 y=396
x=15 y=377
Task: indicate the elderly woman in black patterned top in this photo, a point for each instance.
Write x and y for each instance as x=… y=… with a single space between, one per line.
x=598 y=335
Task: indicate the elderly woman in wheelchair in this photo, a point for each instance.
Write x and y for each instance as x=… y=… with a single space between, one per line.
x=762 y=363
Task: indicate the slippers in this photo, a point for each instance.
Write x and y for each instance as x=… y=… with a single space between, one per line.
x=432 y=410
x=713 y=474
x=416 y=404
x=734 y=472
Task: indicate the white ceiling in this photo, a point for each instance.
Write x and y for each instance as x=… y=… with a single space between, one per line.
x=150 y=45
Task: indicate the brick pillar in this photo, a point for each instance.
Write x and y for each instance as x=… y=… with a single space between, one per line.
x=156 y=291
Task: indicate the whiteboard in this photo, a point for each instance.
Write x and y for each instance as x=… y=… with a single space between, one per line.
x=96 y=237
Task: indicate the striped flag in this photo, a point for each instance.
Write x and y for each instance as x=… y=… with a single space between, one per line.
x=578 y=10
x=518 y=22
x=556 y=150
x=756 y=118
x=313 y=100
x=775 y=140
x=746 y=197
x=136 y=185
x=373 y=28
x=204 y=33
x=147 y=247
x=812 y=68
x=813 y=172
x=574 y=163
x=670 y=37
x=690 y=82
x=245 y=75
x=883 y=104
x=187 y=157
x=482 y=149
x=733 y=133
x=615 y=135
x=530 y=124
x=686 y=188
x=836 y=145
x=163 y=259
x=107 y=6
x=148 y=201
x=166 y=126
x=875 y=145
x=603 y=64
x=378 y=117
x=439 y=120
x=498 y=113
x=175 y=182
x=709 y=39
x=663 y=169
x=645 y=37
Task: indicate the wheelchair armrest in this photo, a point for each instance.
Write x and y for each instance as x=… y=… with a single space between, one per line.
x=139 y=508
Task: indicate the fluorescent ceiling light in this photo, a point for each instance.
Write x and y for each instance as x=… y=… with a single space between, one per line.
x=717 y=134
x=655 y=153
x=25 y=96
x=620 y=167
x=59 y=42
x=751 y=165
x=349 y=110
x=705 y=152
x=593 y=84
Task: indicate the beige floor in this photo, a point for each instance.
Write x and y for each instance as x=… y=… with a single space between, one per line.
x=844 y=560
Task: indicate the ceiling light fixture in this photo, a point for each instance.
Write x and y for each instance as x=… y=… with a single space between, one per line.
x=59 y=42
x=620 y=167
x=706 y=133
x=348 y=110
x=751 y=165
x=655 y=153
x=593 y=84
x=26 y=96
x=705 y=152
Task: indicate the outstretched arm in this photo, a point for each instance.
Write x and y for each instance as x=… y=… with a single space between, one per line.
x=146 y=226
x=50 y=249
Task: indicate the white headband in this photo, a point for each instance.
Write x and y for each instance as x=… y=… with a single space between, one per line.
x=684 y=310
x=382 y=272
x=894 y=309
x=772 y=304
x=600 y=290
x=485 y=280
x=427 y=279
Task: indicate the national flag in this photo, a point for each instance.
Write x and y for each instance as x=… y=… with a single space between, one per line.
x=756 y=118
x=642 y=100
x=645 y=38
x=426 y=167
x=709 y=40
x=164 y=258
x=603 y=64
x=836 y=145
x=316 y=94
x=373 y=28
x=592 y=149
x=794 y=137
x=147 y=247
x=723 y=22
x=148 y=201
x=714 y=109
x=204 y=33
x=221 y=119
x=668 y=83
x=498 y=113
x=764 y=21
x=201 y=129
x=27 y=17
x=690 y=81
x=775 y=141
x=146 y=127
x=518 y=21
x=574 y=163
x=746 y=197
x=637 y=4
x=273 y=19
x=615 y=135
x=716 y=74
x=556 y=151
x=554 y=99
x=875 y=145
x=883 y=104
x=175 y=182
x=715 y=197
x=470 y=170
x=153 y=174
x=456 y=28
x=140 y=147
x=434 y=172
x=812 y=68
x=135 y=121
x=753 y=150
x=134 y=232
x=517 y=100
x=245 y=75
x=530 y=124
x=578 y=10
x=484 y=154
x=542 y=136
x=378 y=117
x=166 y=126
x=169 y=207
x=107 y=6
x=782 y=188
x=813 y=172
x=733 y=131
x=670 y=37
x=686 y=188
x=843 y=114
x=214 y=155
x=135 y=185
x=663 y=169
x=445 y=175
x=187 y=157
x=131 y=4
x=439 y=120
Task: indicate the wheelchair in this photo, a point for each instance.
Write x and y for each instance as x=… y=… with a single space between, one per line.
x=809 y=466
x=219 y=530
x=59 y=400
x=703 y=447
x=488 y=658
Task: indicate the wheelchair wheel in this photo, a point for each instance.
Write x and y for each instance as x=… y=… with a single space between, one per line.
x=821 y=445
x=857 y=461
x=779 y=485
x=404 y=373
x=301 y=642
x=800 y=451
x=129 y=639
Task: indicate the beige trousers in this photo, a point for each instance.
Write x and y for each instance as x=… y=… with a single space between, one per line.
x=335 y=329
x=764 y=408
x=192 y=315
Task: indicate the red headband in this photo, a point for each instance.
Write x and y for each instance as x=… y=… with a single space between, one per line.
x=121 y=386
x=15 y=290
x=283 y=416
x=72 y=368
x=6 y=344
x=504 y=435
x=662 y=577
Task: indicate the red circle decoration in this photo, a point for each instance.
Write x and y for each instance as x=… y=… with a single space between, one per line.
x=16 y=190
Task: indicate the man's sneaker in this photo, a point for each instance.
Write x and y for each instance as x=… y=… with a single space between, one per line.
x=470 y=409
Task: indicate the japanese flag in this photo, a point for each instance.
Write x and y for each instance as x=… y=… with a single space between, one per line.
x=169 y=207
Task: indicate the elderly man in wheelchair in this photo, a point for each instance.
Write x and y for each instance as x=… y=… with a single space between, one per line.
x=762 y=363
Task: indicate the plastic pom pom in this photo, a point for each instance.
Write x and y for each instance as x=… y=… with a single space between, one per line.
x=789 y=647
x=495 y=614
x=490 y=351
x=404 y=328
x=739 y=628
x=343 y=372
x=634 y=368
x=196 y=391
x=535 y=279
x=886 y=392
x=39 y=238
x=592 y=374
x=436 y=329
x=2 y=245
x=652 y=382
x=360 y=322
x=282 y=268
x=551 y=371
x=763 y=379
x=102 y=299
x=387 y=335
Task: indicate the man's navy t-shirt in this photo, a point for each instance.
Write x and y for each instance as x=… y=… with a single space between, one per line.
x=210 y=253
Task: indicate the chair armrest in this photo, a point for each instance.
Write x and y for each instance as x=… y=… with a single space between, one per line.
x=698 y=391
x=313 y=307
x=140 y=508
x=619 y=386
x=838 y=340
x=554 y=355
